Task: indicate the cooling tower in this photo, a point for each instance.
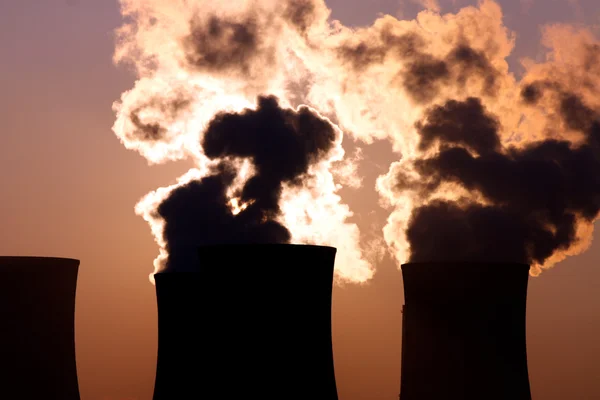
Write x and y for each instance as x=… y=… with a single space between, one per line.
x=253 y=322
x=464 y=332
x=37 y=341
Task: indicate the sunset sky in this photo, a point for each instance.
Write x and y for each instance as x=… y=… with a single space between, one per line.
x=69 y=188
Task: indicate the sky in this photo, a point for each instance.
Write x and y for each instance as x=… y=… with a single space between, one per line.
x=69 y=188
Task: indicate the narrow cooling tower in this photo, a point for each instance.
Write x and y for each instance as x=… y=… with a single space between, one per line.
x=37 y=342
x=464 y=332
x=253 y=322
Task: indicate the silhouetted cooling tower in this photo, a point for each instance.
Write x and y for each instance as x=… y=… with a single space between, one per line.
x=254 y=322
x=37 y=327
x=464 y=332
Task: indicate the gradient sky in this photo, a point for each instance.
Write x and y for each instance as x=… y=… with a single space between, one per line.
x=69 y=188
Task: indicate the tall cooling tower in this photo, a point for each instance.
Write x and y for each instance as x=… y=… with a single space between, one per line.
x=253 y=322
x=37 y=341
x=464 y=332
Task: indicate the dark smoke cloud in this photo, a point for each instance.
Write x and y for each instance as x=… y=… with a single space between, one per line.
x=302 y=14
x=374 y=49
x=470 y=62
x=455 y=123
x=467 y=232
x=219 y=44
x=155 y=131
x=360 y=56
x=532 y=93
x=426 y=76
x=423 y=75
x=576 y=115
x=198 y=214
x=534 y=197
x=281 y=144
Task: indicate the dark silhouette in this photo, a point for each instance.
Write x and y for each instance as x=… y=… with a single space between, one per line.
x=37 y=342
x=254 y=321
x=463 y=330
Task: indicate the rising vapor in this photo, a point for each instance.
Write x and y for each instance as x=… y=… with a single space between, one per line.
x=260 y=93
x=282 y=146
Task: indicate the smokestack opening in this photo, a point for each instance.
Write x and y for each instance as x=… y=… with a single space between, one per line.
x=464 y=331
x=251 y=321
x=37 y=334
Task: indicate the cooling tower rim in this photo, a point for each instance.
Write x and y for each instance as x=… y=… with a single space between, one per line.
x=458 y=264
x=288 y=249
x=281 y=245
x=465 y=282
x=29 y=259
x=263 y=250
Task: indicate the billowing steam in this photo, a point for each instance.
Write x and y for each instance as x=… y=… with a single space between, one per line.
x=259 y=94
x=524 y=204
x=282 y=145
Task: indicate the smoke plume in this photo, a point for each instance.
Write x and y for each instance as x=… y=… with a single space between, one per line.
x=483 y=187
x=281 y=144
x=532 y=200
x=260 y=95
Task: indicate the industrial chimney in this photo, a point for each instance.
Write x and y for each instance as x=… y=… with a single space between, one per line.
x=37 y=341
x=253 y=322
x=464 y=331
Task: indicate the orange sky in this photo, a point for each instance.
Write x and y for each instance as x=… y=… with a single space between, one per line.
x=69 y=188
